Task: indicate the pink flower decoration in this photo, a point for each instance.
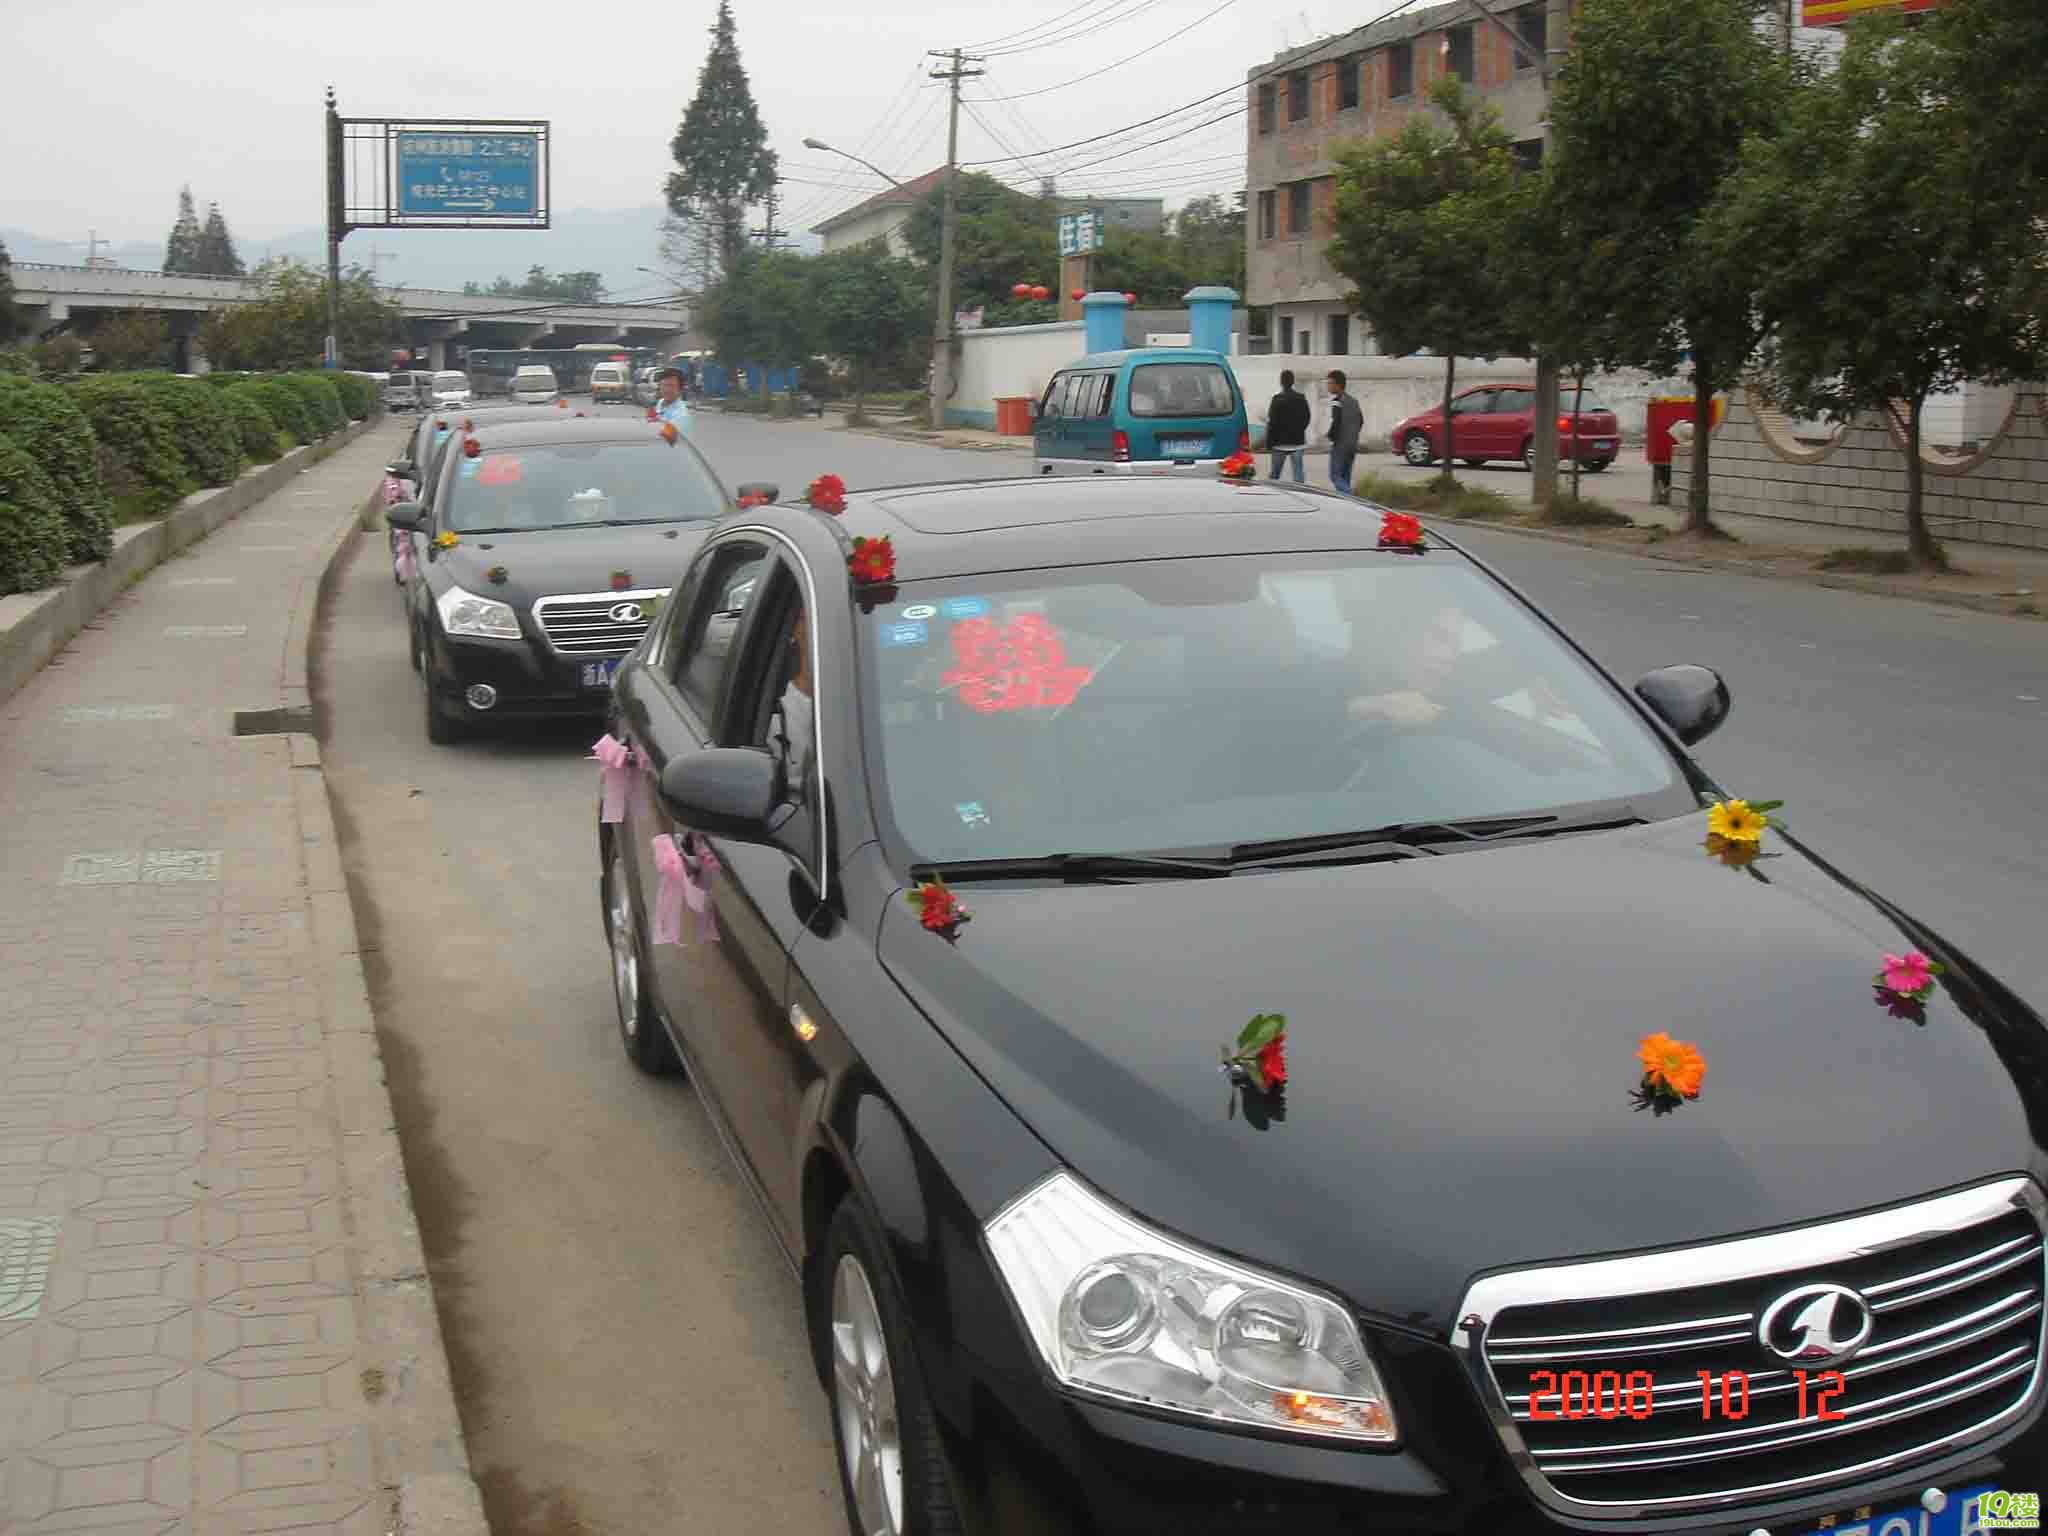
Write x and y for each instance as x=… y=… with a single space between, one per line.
x=1908 y=973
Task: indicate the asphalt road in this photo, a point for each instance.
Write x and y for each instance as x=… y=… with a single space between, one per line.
x=625 y=1337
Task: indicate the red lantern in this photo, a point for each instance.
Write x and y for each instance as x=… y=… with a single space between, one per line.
x=1077 y=294
x=1021 y=291
x=1041 y=293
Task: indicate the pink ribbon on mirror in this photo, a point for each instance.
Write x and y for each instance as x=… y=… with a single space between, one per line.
x=406 y=567
x=394 y=492
x=617 y=759
x=685 y=880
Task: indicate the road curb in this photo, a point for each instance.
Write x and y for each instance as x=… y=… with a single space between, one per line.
x=933 y=439
x=35 y=626
x=2004 y=607
x=421 y=1448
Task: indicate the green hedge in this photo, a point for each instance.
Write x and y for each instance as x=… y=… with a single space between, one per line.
x=206 y=433
x=32 y=538
x=140 y=462
x=285 y=405
x=259 y=434
x=44 y=420
x=358 y=394
x=323 y=401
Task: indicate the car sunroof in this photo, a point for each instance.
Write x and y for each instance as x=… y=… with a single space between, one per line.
x=1039 y=503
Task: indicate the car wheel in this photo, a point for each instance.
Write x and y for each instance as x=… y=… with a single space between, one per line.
x=892 y=1461
x=1416 y=450
x=1596 y=465
x=647 y=1044
x=1474 y=463
x=412 y=646
x=1529 y=455
x=442 y=731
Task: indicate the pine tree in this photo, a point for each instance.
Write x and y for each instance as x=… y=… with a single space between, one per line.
x=721 y=148
x=181 y=251
x=10 y=322
x=216 y=254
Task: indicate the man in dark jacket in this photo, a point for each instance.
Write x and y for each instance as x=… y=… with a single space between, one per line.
x=1287 y=419
x=1347 y=421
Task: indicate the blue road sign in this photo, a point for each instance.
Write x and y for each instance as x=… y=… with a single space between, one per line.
x=469 y=175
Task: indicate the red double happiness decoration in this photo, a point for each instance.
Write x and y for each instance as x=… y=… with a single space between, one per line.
x=1019 y=665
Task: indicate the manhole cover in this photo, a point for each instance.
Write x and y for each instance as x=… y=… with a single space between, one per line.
x=28 y=1244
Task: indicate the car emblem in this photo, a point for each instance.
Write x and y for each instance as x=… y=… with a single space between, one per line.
x=626 y=613
x=1816 y=1325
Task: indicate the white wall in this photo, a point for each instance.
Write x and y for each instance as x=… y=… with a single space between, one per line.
x=1015 y=360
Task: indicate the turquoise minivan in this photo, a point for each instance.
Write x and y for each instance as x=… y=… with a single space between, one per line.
x=1149 y=410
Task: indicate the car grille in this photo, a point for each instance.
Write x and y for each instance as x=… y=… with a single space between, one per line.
x=1954 y=1287
x=582 y=623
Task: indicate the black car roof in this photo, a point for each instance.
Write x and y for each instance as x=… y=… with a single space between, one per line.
x=971 y=527
x=564 y=427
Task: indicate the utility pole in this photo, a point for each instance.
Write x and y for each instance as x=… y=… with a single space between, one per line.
x=1556 y=46
x=942 y=332
x=337 y=228
x=771 y=235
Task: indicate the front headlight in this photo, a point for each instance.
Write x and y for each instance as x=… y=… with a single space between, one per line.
x=1123 y=1312
x=464 y=613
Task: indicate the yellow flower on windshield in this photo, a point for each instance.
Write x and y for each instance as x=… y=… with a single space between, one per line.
x=1737 y=821
x=445 y=540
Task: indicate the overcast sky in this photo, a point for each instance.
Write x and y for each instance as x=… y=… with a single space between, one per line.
x=112 y=106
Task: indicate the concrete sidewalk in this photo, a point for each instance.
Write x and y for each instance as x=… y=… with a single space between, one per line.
x=214 y=1313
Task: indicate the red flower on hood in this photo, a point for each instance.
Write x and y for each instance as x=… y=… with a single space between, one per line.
x=938 y=908
x=1239 y=466
x=752 y=499
x=1273 y=1061
x=828 y=494
x=652 y=414
x=621 y=580
x=471 y=448
x=1400 y=530
x=873 y=561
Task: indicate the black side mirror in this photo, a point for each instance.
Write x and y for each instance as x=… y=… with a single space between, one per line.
x=404 y=514
x=1693 y=701
x=403 y=468
x=762 y=488
x=724 y=791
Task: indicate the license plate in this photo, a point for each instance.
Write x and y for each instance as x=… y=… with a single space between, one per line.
x=1184 y=447
x=598 y=674
x=1605 y=442
x=1962 y=1516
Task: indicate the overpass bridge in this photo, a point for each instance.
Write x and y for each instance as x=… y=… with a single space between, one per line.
x=50 y=297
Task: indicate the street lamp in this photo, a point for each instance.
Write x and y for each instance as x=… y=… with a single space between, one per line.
x=856 y=159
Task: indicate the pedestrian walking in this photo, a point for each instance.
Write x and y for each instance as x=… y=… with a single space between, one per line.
x=1287 y=421
x=1347 y=421
x=673 y=407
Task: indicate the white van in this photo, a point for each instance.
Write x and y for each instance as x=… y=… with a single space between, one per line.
x=534 y=385
x=451 y=388
x=608 y=381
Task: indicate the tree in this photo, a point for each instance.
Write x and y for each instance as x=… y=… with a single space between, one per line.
x=1648 y=119
x=1004 y=237
x=287 y=327
x=1417 y=221
x=10 y=320
x=1893 y=266
x=721 y=149
x=568 y=287
x=764 y=310
x=872 y=311
x=1211 y=233
x=131 y=338
x=216 y=250
x=181 y=250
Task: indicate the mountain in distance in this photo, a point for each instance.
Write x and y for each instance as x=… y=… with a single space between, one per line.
x=612 y=242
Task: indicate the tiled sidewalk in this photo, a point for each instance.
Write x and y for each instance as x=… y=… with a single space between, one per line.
x=192 y=1336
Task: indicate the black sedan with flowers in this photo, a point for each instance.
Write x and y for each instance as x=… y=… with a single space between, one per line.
x=542 y=554
x=1239 y=1024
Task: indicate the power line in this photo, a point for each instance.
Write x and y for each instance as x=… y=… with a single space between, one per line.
x=1120 y=63
x=1035 y=26
x=1081 y=27
x=1201 y=101
x=1001 y=142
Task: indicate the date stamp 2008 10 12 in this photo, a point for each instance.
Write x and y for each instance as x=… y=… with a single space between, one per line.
x=1633 y=1395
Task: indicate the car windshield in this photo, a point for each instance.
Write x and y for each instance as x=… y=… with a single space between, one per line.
x=1208 y=703
x=1180 y=389
x=451 y=381
x=569 y=485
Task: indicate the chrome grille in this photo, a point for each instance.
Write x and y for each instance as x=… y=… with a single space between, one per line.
x=581 y=623
x=1627 y=1428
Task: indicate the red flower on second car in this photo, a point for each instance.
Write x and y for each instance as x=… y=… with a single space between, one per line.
x=1400 y=530
x=873 y=561
x=828 y=494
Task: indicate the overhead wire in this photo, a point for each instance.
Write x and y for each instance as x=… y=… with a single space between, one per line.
x=1081 y=27
x=1119 y=64
x=1034 y=27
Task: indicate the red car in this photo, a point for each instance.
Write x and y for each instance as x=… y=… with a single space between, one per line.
x=1498 y=421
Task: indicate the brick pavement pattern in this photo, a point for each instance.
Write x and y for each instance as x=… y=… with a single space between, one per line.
x=181 y=1318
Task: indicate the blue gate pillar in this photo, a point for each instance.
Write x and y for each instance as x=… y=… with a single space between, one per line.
x=1209 y=311
x=1102 y=319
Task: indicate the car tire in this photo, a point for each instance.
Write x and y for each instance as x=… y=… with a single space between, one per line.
x=894 y=1473
x=1529 y=455
x=412 y=646
x=646 y=1041
x=1474 y=463
x=1597 y=465
x=1416 y=450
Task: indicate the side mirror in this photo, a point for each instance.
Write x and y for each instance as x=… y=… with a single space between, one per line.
x=404 y=514
x=724 y=791
x=763 y=488
x=1034 y=410
x=1693 y=701
x=403 y=468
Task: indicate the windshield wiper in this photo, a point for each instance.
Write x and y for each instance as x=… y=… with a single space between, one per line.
x=1079 y=867
x=1402 y=838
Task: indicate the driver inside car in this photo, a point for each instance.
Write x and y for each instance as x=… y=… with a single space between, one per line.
x=1418 y=663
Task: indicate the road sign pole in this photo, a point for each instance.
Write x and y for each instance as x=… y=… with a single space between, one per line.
x=335 y=231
